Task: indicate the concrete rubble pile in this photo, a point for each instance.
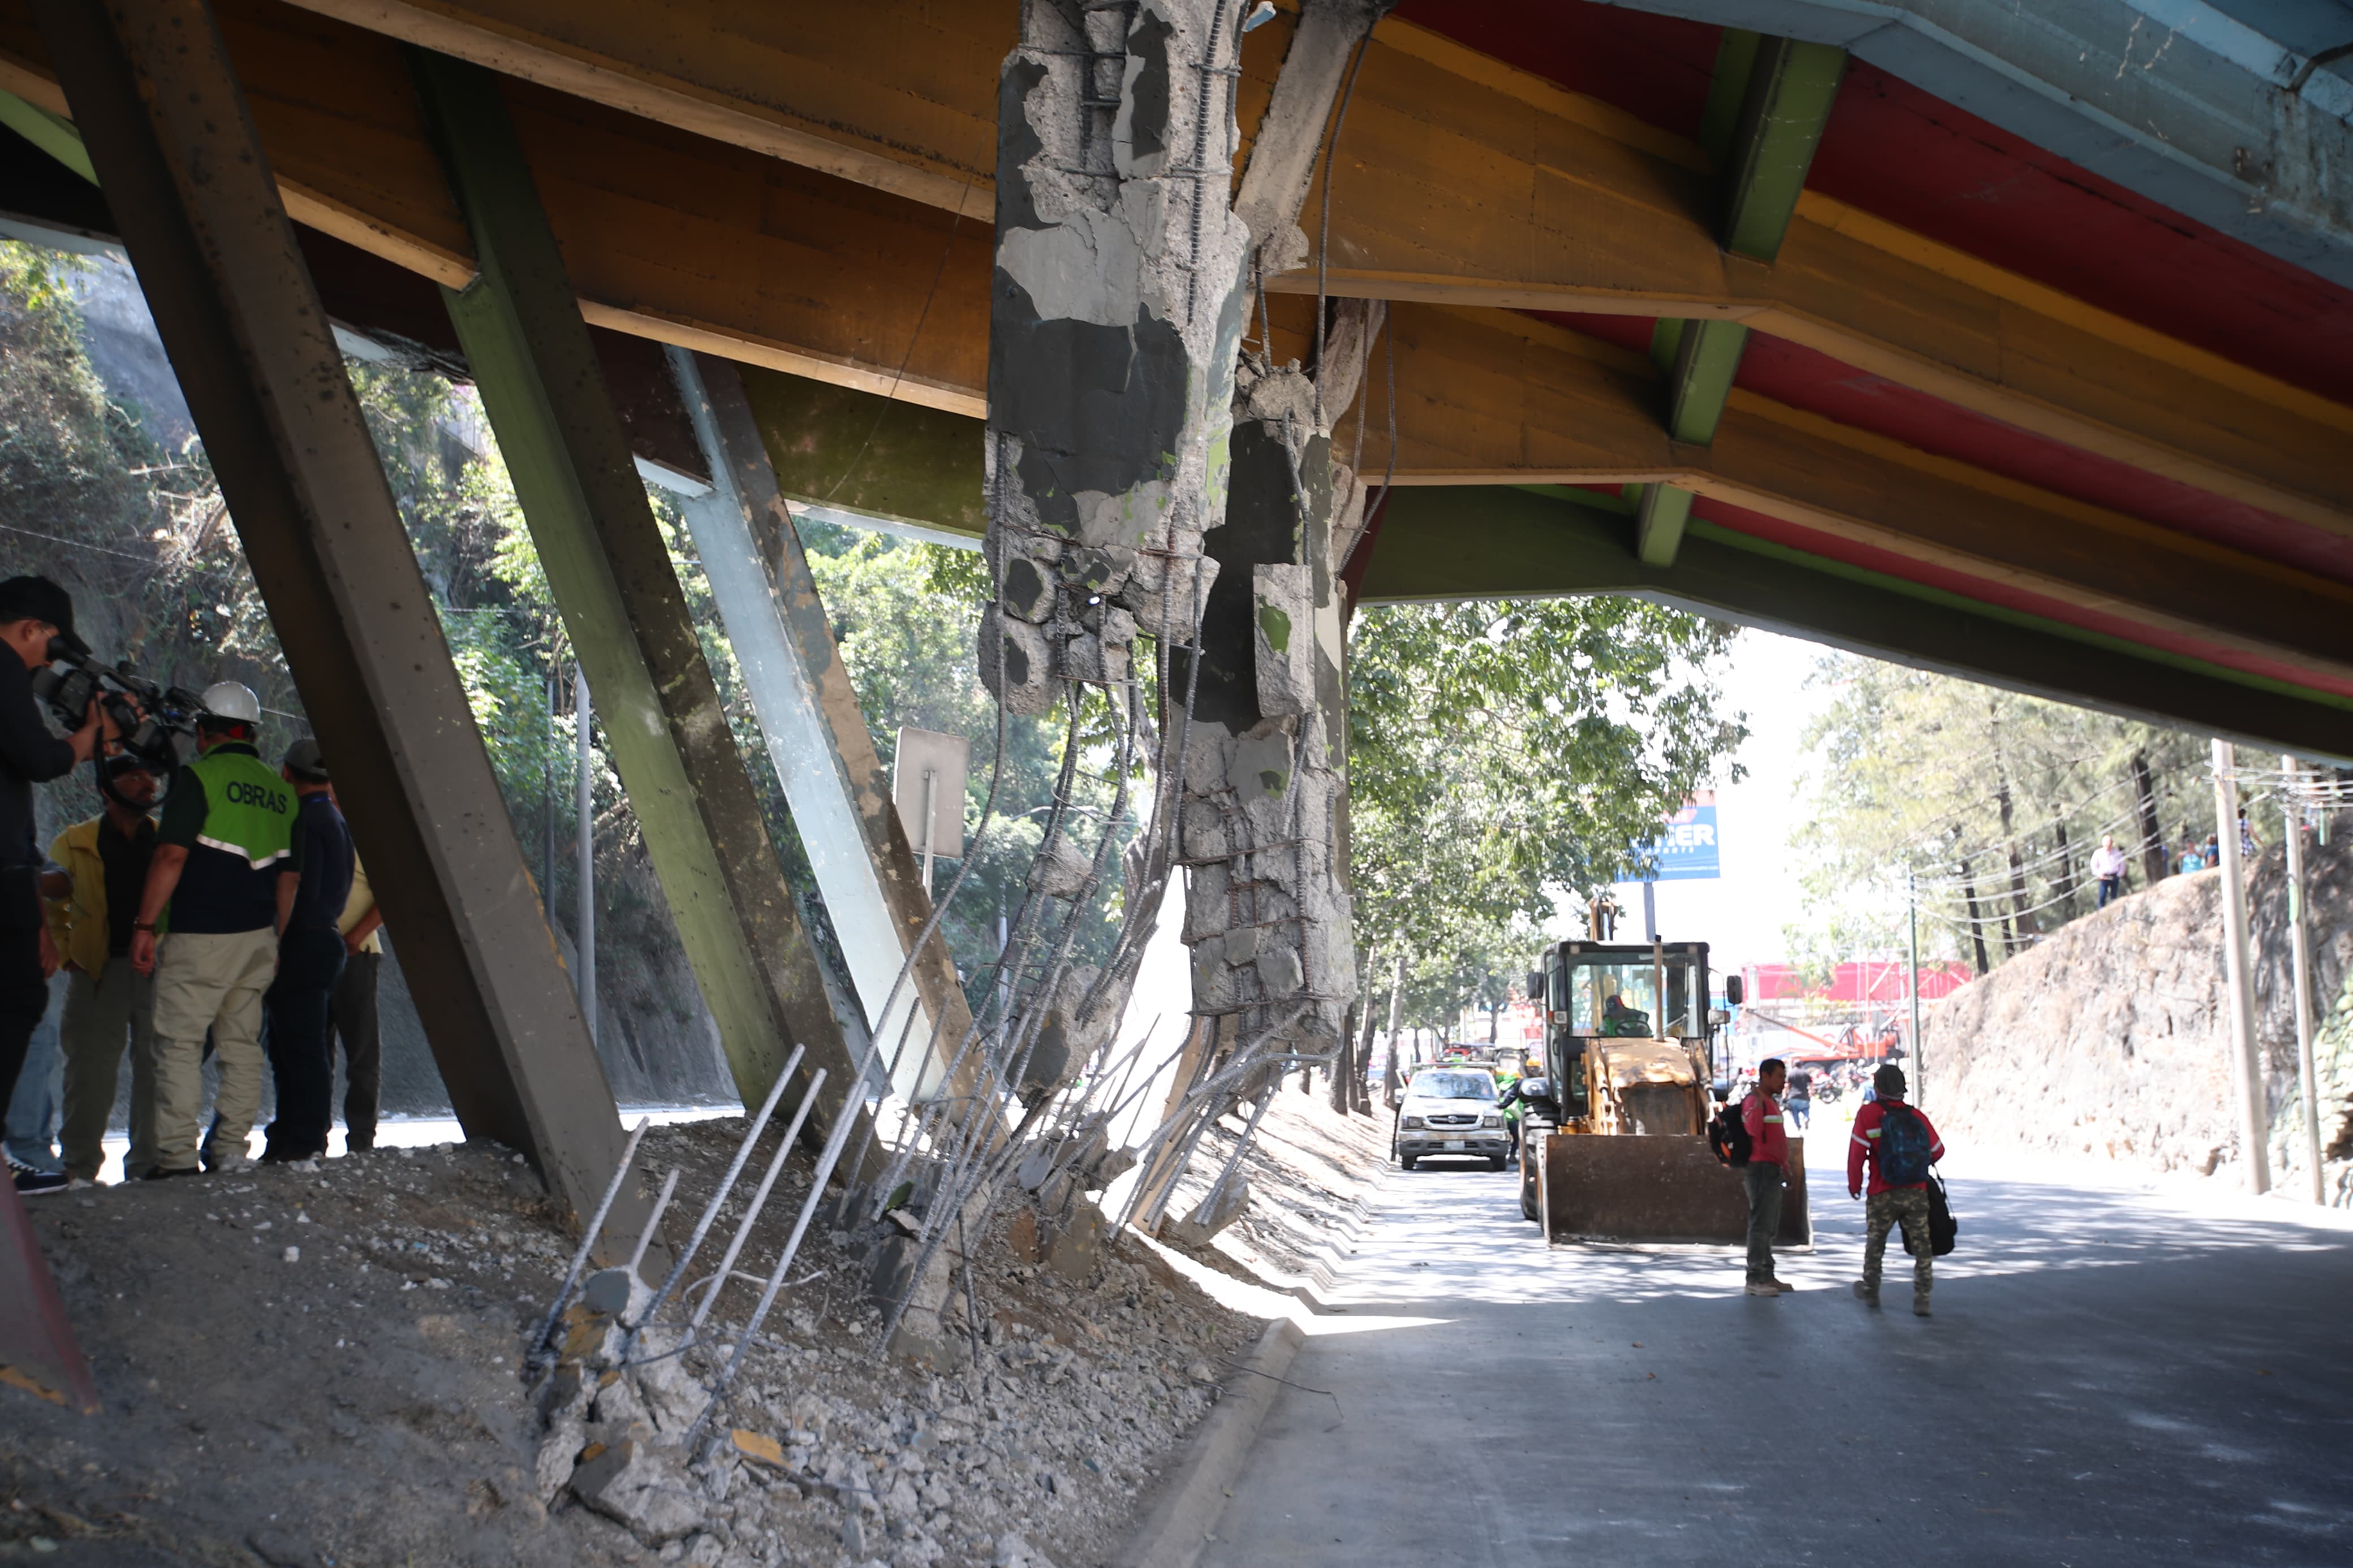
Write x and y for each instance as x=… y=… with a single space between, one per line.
x=1078 y=1369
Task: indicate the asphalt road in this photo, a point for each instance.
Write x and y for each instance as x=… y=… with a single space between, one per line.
x=2112 y=1376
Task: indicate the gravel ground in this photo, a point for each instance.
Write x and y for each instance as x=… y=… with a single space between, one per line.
x=323 y=1368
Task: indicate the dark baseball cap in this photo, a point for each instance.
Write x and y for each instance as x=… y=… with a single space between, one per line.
x=39 y=599
x=303 y=760
x=1889 y=1080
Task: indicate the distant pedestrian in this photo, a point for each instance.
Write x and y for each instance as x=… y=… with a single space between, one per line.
x=2192 y=860
x=2213 y=850
x=1767 y=1174
x=2247 y=845
x=1801 y=1102
x=1898 y=1145
x=2108 y=866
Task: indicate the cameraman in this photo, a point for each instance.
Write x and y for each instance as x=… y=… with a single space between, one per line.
x=35 y=614
x=226 y=838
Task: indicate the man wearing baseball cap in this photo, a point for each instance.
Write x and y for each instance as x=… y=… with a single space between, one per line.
x=310 y=961
x=36 y=616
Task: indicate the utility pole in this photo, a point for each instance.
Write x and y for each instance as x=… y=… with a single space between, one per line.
x=2300 y=937
x=585 y=921
x=1650 y=909
x=2255 y=1101
x=1919 y=1051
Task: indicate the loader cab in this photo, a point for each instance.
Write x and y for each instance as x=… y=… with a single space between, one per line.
x=1612 y=991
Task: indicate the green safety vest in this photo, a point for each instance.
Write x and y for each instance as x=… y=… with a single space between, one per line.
x=249 y=809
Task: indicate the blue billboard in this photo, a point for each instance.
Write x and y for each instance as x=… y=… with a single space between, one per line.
x=1686 y=847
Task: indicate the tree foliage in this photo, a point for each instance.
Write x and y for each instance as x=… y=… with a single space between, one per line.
x=1503 y=752
x=1991 y=803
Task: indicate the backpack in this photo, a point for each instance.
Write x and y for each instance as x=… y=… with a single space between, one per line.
x=1728 y=1134
x=1904 y=1146
x=1943 y=1228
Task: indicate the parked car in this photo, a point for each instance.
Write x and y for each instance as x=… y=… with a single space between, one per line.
x=1451 y=1111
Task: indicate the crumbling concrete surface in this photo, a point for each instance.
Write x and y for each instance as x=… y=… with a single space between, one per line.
x=362 y=1400
x=1123 y=423
x=2111 y=1037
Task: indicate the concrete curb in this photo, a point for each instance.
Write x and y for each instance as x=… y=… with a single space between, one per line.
x=1189 y=1498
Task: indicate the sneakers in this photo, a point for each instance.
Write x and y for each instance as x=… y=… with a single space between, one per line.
x=1764 y=1287
x=1920 y=1307
x=32 y=1183
x=165 y=1172
x=1865 y=1294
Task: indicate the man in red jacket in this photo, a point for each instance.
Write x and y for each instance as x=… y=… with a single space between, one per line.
x=1899 y=1145
x=1768 y=1173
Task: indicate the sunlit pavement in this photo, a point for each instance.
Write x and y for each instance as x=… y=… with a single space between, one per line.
x=2112 y=1376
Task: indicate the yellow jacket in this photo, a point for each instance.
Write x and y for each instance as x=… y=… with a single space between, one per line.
x=79 y=921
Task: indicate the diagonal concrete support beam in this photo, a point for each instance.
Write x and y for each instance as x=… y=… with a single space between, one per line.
x=816 y=735
x=175 y=151
x=609 y=568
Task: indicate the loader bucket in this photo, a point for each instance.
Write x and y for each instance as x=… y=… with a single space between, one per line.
x=1604 y=1188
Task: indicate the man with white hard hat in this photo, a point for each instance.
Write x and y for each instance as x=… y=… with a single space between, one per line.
x=207 y=930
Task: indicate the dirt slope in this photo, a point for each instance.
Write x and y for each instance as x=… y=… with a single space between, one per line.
x=2112 y=1036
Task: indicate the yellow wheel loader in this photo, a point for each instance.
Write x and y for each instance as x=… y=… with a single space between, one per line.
x=1613 y=1130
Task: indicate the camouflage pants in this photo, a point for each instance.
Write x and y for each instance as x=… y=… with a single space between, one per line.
x=1907 y=1206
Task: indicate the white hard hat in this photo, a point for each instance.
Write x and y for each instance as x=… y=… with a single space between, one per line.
x=233 y=700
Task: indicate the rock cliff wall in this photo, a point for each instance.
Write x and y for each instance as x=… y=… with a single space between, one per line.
x=2111 y=1038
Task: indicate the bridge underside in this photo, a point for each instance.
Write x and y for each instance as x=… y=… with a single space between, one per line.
x=2018 y=350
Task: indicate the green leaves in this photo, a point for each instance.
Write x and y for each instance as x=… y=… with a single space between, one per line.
x=1499 y=752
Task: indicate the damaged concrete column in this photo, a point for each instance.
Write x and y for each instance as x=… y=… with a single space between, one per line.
x=1121 y=296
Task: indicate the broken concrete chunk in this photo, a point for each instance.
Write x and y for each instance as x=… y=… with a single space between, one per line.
x=1017 y=663
x=1216 y=1211
x=1261 y=762
x=1095 y=659
x=1283 y=638
x=1099 y=571
x=1014 y=1552
x=1203 y=830
x=558 y=1451
x=1167 y=593
x=607 y=1291
x=1061 y=868
x=1026 y=587
x=1077 y=1244
x=1280 y=973
x=644 y=1489
x=1208 y=901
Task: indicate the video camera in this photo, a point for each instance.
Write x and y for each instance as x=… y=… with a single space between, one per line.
x=157 y=724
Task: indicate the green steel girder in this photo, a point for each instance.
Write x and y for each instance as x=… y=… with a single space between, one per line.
x=1784 y=104
x=610 y=569
x=1701 y=359
x=51 y=133
x=1661 y=512
x=866 y=453
x=1439 y=543
x=1765 y=108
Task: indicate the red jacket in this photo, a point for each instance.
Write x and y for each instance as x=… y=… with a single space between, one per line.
x=1864 y=1145
x=1769 y=1143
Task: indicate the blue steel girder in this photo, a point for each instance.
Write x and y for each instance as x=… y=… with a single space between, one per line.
x=2217 y=111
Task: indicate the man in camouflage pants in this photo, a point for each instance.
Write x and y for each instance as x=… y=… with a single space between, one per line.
x=1898 y=1145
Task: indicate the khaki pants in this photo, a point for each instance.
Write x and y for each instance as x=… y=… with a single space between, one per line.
x=208 y=982
x=100 y=1014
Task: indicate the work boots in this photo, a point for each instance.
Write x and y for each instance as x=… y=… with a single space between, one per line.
x=1866 y=1293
